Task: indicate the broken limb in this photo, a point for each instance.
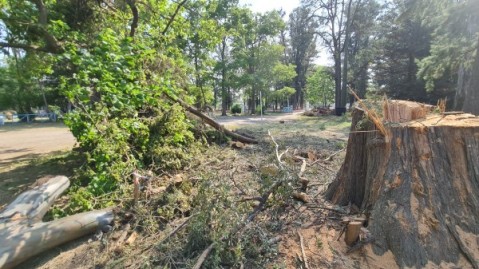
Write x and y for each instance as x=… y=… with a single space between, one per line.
x=212 y=122
x=22 y=233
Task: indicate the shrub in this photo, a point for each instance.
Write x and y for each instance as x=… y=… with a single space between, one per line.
x=236 y=109
x=120 y=120
x=258 y=110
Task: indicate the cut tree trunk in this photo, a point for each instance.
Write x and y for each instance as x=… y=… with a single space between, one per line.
x=419 y=184
x=23 y=235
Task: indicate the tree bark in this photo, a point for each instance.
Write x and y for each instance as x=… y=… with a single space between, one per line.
x=224 y=93
x=23 y=235
x=419 y=184
x=339 y=108
x=212 y=122
x=471 y=91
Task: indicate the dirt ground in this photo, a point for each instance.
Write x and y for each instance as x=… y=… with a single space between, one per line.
x=314 y=138
x=31 y=151
x=20 y=141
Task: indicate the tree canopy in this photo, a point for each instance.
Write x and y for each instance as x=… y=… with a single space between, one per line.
x=109 y=66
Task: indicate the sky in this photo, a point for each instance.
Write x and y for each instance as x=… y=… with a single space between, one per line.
x=266 y=5
x=288 y=6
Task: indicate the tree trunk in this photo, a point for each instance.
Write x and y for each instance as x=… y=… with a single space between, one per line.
x=418 y=184
x=471 y=91
x=224 y=98
x=23 y=235
x=212 y=122
x=339 y=108
x=347 y=30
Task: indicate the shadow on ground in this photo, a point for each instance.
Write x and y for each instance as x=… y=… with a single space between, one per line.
x=20 y=173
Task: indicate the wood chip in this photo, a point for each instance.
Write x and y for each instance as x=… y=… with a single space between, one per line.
x=238 y=145
x=303 y=197
x=132 y=238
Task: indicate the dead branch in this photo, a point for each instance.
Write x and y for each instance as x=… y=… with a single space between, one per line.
x=249 y=198
x=305 y=259
x=211 y=122
x=22 y=233
x=371 y=114
x=183 y=224
x=278 y=155
x=203 y=256
x=301 y=196
x=272 y=188
x=334 y=154
x=303 y=168
x=342 y=212
x=243 y=192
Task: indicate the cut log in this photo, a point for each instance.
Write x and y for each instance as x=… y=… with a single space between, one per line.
x=32 y=205
x=22 y=242
x=419 y=185
x=352 y=232
x=212 y=122
x=23 y=235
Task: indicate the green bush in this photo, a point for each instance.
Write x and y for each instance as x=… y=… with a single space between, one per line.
x=236 y=109
x=120 y=120
x=258 y=110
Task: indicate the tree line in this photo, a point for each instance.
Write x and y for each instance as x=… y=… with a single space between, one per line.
x=225 y=53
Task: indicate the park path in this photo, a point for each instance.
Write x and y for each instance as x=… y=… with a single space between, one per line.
x=245 y=120
x=21 y=141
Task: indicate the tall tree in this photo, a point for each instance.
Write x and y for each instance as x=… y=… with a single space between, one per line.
x=401 y=41
x=454 y=48
x=302 y=30
x=335 y=18
x=203 y=37
x=360 y=50
x=255 y=32
x=225 y=14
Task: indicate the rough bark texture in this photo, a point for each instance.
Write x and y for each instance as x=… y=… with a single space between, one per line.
x=420 y=185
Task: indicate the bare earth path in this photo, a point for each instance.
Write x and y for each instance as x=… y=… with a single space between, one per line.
x=245 y=120
x=20 y=141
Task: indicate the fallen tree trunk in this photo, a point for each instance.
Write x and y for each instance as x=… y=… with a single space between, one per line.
x=419 y=184
x=212 y=122
x=23 y=235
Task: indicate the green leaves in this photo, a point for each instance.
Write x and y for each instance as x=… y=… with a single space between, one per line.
x=454 y=38
x=320 y=87
x=119 y=117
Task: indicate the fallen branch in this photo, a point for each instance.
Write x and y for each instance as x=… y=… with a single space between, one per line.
x=203 y=256
x=243 y=192
x=336 y=153
x=276 y=149
x=183 y=224
x=272 y=188
x=304 y=181
x=305 y=259
x=22 y=233
x=212 y=122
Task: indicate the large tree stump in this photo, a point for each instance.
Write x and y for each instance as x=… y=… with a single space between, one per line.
x=419 y=184
x=23 y=235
